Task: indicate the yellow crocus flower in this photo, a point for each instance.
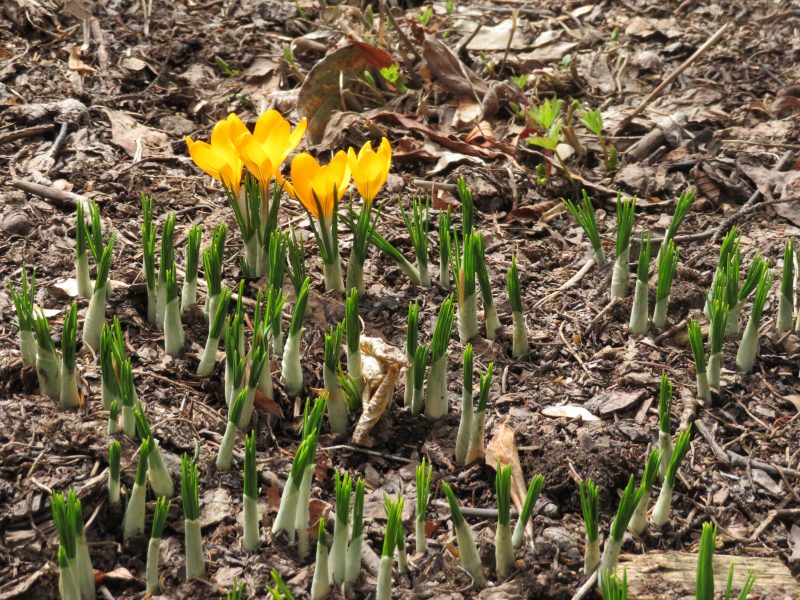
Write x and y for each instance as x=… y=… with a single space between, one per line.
x=272 y=140
x=313 y=183
x=220 y=158
x=370 y=168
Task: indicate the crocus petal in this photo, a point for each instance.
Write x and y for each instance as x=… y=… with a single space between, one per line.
x=304 y=170
x=204 y=157
x=266 y=122
x=297 y=135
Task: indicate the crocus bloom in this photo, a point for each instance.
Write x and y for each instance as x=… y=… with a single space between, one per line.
x=370 y=168
x=220 y=158
x=313 y=183
x=272 y=140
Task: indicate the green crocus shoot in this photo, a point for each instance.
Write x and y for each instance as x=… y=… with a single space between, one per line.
x=149 y=256
x=297 y=260
x=467 y=550
x=246 y=205
x=467 y=205
x=664 y=429
x=444 y=248
x=621 y=273
x=68 y=588
x=489 y=308
x=463 y=261
x=327 y=236
x=213 y=257
x=114 y=459
x=277 y=270
x=503 y=550
x=747 y=587
x=532 y=495
x=704 y=583
x=748 y=346
x=412 y=342
x=133 y=521
x=757 y=268
x=417 y=224
x=285 y=519
x=402 y=556
x=729 y=255
x=127 y=393
x=667 y=264
x=279 y=591
x=263 y=327
x=157 y=473
x=394 y=525
x=382 y=244
x=235 y=363
x=291 y=368
x=160 y=514
x=173 y=327
x=353 y=569
x=436 y=393
x=337 y=562
x=238 y=315
x=467 y=409
x=590 y=506
x=719 y=319
x=639 y=310
x=193 y=541
x=419 y=365
x=361 y=222
x=81 y=254
x=69 y=380
x=424 y=472
x=69 y=570
x=47 y=363
x=258 y=363
x=661 y=510
x=24 y=304
x=353 y=328
x=109 y=389
x=583 y=213
x=320 y=583
x=614 y=588
x=95 y=314
x=225 y=453
x=166 y=262
x=631 y=497
x=519 y=344
x=699 y=354
x=189 y=289
x=783 y=322
x=337 y=409
x=312 y=422
x=252 y=518
x=475 y=449
x=84 y=573
x=209 y=357
x=638 y=522
x=113 y=418
x=682 y=207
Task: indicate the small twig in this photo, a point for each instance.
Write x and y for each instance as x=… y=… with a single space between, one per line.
x=62 y=198
x=587 y=587
x=514 y=15
x=407 y=45
x=773 y=514
x=673 y=76
x=431 y=185
x=565 y=286
x=10 y=136
x=367 y=451
x=478 y=513
x=463 y=45
x=611 y=304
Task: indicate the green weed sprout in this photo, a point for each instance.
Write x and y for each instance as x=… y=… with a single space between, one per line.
x=503 y=550
x=189 y=289
x=436 y=393
x=489 y=309
x=160 y=515
x=668 y=262
x=590 y=506
x=621 y=273
x=412 y=342
x=337 y=409
x=661 y=510
x=593 y=121
x=48 y=367
x=783 y=322
x=747 y=587
x=638 y=521
x=24 y=303
x=519 y=343
x=68 y=378
x=424 y=472
x=748 y=346
x=467 y=550
x=416 y=222
x=252 y=518
x=444 y=248
x=195 y=563
x=627 y=505
x=583 y=213
x=699 y=353
x=291 y=367
x=534 y=490
x=639 y=310
x=133 y=521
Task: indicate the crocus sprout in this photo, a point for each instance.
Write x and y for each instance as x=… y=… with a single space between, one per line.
x=47 y=363
x=475 y=449
x=729 y=256
x=465 y=422
x=68 y=378
x=394 y=527
x=621 y=273
x=24 y=304
x=195 y=563
x=783 y=322
x=235 y=362
x=590 y=506
x=258 y=362
x=583 y=213
x=682 y=207
x=215 y=324
x=160 y=515
x=67 y=585
x=614 y=588
x=166 y=262
x=467 y=550
x=664 y=429
x=639 y=310
x=114 y=459
x=337 y=560
x=412 y=342
x=353 y=569
x=699 y=354
x=489 y=309
x=252 y=518
x=285 y=519
x=419 y=365
x=627 y=505
x=174 y=338
x=661 y=510
x=337 y=409
x=75 y=566
x=319 y=188
x=236 y=592
x=519 y=344
x=719 y=319
x=112 y=351
x=467 y=206
x=113 y=417
x=353 y=329
x=444 y=248
x=149 y=257
x=127 y=394
x=133 y=521
x=296 y=260
x=436 y=404
x=265 y=320
x=157 y=473
x=279 y=591
x=213 y=257
x=277 y=273
x=95 y=314
x=189 y=289
x=291 y=368
x=312 y=422
x=320 y=583
x=81 y=254
x=748 y=346
x=757 y=268
x=638 y=521
x=667 y=264
x=417 y=223
x=704 y=583
x=225 y=453
x=424 y=472
x=531 y=496
x=463 y=262
x=503 y=550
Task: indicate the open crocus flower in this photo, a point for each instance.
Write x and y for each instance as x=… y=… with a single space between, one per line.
x=272 y=140
x=220 y=158
x=370 y=168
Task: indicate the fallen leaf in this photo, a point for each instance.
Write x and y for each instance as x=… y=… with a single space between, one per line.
x=793 y=399
x=765 y=481
x=545 y=54
x=794 y=542
x=119 y=574
x=497 y=37
x=609 y=402
x=454 y=76
x=216 y=506
x=268 y=405
x=570 y=412
x=502 y=448
x=76 y=64
x=137 y=140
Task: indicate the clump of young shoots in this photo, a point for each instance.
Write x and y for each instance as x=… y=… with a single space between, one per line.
x=291 y=368
x=639 y=520
x=682 y=207
x=157 y=473
x=661 y=510
x=463 y=261
x=69 y=380
x=667 y=264
x=337 y=409
x=213 y=257
x=783 y=322
x=173 y=327
x=664 y=429
x=112 y=351
x=114 y=459
x=719 y=319
x=160 y=515
x=225 y=453
x=296 y=259
x=81 y=254
x=265 y=320
x=412 y=343
x=583 y=213
x=252 y=518
x=519 y=343
x=280 y=591
x=627 y=505
x=285 y=519
x=748 y=346
x=47 y=363
x=258 y=362
x=24 y=306
x=353 y=568
x=436 y=393
x=704 y=583
x=166 y=262
x=235 y=363
x=758 y=267
x=394 y=526
x=503 y=550
x=417 y=225
x=75 y=565
x=312 y=422
x=195 y=563
x=621 y=273
x=113 y=418
x=320 y=583
x=419 y=365
x=489 y=309
x=475 y=449
x=465 y=422
x=215 y=324
x=444 y=248
x=590 y=506
x=615 y=588
x=133 y=521
x=639 y=310
x=729 y=256
x=127 y=393
x=149 y=257
x=534 y=489
x=353 y=328
x=424 y=472
x=95 y=314
x=699 y=354
x=337 y=563
x=189 y=289
x=467 y=550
